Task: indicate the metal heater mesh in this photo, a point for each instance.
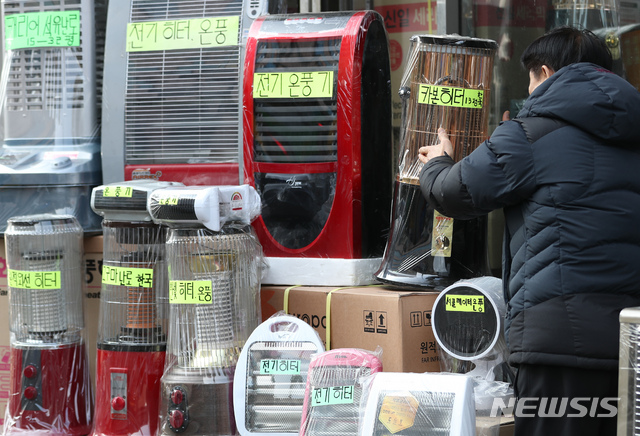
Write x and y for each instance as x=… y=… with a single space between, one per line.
x=629 y=373
x=274 y=401
x=440 y=89
x=133 y=308
x=212 y=334
x=43 y=307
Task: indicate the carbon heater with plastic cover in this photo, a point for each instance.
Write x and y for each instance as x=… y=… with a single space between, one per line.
x=50 y=154
x=134 y=310
x=447 y=83
x=270 y=379
x=50 y=386
x=214 y=284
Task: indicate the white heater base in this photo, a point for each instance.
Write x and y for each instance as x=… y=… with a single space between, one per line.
x=312 y=271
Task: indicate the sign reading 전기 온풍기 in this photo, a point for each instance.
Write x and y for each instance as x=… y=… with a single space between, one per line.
x=309 y=84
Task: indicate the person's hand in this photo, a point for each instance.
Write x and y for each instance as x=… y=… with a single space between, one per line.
x=428 y=152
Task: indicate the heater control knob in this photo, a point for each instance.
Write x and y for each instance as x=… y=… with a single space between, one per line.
x=176 y=418
x=177 y=396
x=118 y=403
x=30 y=393
x=30 y=371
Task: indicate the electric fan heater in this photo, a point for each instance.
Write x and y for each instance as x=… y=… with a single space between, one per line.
x=133 y=311
x=50 y=387
x=50 y=156
x=271 y=376
x=173 y=70
x=214 y=288
x=332 y=396
x=418 y=405
x=317 y=139
x=447 y=83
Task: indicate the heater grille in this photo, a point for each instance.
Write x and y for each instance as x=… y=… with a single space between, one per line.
x=182 y=105
x=312 y=135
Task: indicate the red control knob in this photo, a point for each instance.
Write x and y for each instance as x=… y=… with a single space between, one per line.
x=177 y=396
x=176 y=419
x=30 y=393
x=30 y=371
x=118 y=403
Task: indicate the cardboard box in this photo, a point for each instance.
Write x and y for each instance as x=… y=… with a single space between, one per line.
x=365 y=317
x=93 y=265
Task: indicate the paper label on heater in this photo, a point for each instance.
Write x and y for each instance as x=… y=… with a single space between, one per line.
x=451 y=96
x=310 y=84
x=398 y=412
x=280 y=366
x=332 y=395
x=171 y=201
x=117 y=191
x=192 y=33
x=464 y=303
x=42 y=29
x=34 y=279
x=442 y=235
x=129 y=277
x=190 y=292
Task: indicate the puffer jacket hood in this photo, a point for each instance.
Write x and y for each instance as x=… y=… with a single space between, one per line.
x=610 y=103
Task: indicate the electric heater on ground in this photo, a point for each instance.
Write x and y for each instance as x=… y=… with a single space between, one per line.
x=214 y=283
x=317 y=144
x=50 y=387
x=271 y=376
x=447 y=83
x=50 y=155
x=132 y=330
x=173 y=73
x=418 y=405
x=333 y=392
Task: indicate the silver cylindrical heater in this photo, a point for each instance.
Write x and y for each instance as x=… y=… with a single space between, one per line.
x=50 y=383
x=629 y=373
x=214 y=287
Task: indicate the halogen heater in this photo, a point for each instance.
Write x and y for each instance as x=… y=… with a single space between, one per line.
x=214 y=283
x=629 y=373
x=447 y=83
x=332 y=396
x=418 y=405
x=133 y=311
x=50 y=387
x=50 y=96
x=270 y=379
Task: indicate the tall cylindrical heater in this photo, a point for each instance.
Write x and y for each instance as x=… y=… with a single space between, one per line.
x=214 y=285
x=134 y=310
x=50 y=384
x=447 y=83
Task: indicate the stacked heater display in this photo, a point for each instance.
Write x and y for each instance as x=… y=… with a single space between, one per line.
x=173 y=70
x=317 y=135
x=134 y=310
x=50 y=387
x=50 y=155
x=447 y=83
x=214 y=300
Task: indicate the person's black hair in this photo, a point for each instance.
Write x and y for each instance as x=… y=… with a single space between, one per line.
x=564 y=46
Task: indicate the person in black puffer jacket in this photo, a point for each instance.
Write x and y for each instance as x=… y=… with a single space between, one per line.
x=566 y=172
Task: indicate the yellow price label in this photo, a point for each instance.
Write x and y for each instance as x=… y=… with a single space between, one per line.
x=34 y=279
x=450 y=96
x=42 y=29
x=190 y=292
x=117 y=191
x=183 y=34
x=398 y=412
x=310 y=84
x=172 y=201
x=129 y=277
x=464 y=303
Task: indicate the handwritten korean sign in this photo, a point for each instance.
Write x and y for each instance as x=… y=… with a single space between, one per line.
x=42 y=29
x=310 y=84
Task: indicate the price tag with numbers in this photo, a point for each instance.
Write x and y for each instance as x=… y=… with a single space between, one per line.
x=42 y=29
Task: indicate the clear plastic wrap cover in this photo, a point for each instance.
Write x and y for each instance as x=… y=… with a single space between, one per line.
x=50 y=386
x=413 y=404
x=50 y=115
x=629 y=372
x=333 y=391
x=271 y=376
x=446 y=83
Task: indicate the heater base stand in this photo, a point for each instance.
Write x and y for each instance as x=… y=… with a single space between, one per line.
x=311 y=271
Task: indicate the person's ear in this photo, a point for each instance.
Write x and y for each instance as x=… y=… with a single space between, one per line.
x=546 y=72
